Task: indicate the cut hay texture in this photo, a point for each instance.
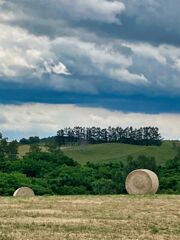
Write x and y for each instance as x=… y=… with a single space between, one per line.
x=24 y=192
x=142 y=181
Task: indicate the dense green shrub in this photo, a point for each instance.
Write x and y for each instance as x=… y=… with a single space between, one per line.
x=52 y=172
x=9 y=182
x=104 y=186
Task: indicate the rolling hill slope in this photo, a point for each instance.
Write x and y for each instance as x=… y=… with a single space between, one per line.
x=114 y=152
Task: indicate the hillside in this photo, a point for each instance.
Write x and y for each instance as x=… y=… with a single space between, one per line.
x=114 y=152
x=55 y=173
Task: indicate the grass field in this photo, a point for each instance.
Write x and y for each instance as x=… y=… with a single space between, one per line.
x=90 y=217
x=114 y=152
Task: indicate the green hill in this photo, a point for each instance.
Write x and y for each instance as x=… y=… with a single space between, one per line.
x=114 y=152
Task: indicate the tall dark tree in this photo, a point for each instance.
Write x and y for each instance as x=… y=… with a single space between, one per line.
x=142 y=136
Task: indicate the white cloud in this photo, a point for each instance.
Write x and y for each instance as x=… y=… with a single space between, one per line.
x=147 y=50
x=20 y=52
x=163 y=54
x=96 y=10
x=101 y=60
x=161 y=64
x=58 y=68
x=25 y=56
x=124 y=74
x=44 y=119
x=101 y=10
x=81 y=59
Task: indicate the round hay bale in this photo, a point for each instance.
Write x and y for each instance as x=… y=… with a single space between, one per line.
x=142 y=181
x=24 y=192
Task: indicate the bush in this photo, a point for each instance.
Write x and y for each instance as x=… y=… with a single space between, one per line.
x=141 y=162
x=104 y=186
x=41 y=186
x=10 y=182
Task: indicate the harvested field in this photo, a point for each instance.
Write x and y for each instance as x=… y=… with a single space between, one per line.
x=90 y=217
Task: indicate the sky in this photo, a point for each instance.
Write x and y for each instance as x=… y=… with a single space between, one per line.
x=65 y=63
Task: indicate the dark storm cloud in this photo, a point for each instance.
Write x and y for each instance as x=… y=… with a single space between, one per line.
x=97 y=48
x=154 y=21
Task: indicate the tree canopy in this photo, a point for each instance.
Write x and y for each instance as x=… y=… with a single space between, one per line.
x=51 y=172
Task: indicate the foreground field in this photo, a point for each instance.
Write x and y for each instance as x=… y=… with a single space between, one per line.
x=90 y=217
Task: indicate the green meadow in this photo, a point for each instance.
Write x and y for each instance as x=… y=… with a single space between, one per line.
x=115 y=152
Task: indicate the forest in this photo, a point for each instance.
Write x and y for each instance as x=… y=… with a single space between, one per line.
x=50 y=172
x=94 y=135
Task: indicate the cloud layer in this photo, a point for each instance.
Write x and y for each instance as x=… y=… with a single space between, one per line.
x=117 y=54
x=61 y=44
x=44 y=119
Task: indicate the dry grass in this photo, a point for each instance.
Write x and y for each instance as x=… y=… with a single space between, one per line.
x=24 y=149
x=90 y=217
